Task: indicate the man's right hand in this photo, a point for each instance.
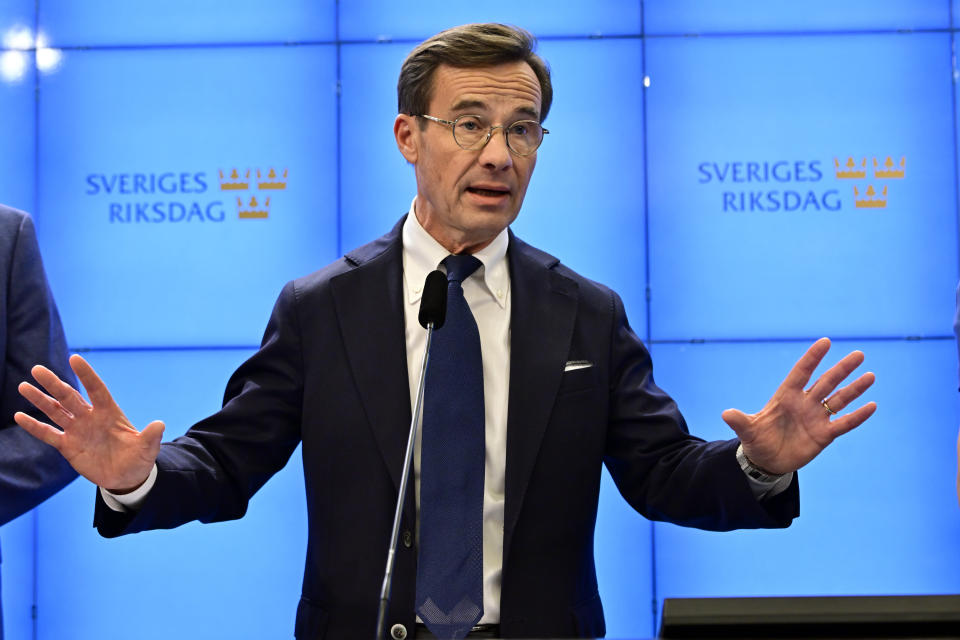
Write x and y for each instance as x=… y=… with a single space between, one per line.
x=97 y=440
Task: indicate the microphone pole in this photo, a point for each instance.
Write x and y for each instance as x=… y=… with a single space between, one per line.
x=433 y=311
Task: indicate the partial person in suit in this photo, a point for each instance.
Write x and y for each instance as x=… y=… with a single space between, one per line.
x=567 y=388
x=30 y=333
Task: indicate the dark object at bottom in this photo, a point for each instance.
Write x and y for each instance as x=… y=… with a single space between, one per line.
x=812 y=617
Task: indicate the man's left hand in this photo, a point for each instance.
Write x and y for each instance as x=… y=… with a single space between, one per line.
x=796 y=424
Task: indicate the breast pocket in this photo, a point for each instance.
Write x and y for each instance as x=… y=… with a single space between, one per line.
x=578 y=376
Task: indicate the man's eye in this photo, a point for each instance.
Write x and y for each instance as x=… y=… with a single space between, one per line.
x=469 y=124
x=520 y=128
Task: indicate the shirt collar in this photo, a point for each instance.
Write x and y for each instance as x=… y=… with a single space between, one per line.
x=422 y=254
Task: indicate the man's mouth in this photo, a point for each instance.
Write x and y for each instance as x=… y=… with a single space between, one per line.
x=488 y=192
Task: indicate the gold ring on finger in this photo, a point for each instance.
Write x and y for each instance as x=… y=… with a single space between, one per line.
x=827 y=407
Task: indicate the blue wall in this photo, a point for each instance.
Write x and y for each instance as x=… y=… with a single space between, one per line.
x=690 y=165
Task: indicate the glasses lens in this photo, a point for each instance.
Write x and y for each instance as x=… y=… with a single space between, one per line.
x=469 y=131
x=524 y=136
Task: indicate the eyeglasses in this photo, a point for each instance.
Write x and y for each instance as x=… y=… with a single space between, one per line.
x=471 y=132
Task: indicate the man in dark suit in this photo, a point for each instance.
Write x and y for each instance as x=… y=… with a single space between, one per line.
x=30 y=333
x=567 y=388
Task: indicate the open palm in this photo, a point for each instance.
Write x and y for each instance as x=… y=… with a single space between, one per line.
x=796 y=425
x=97 y=439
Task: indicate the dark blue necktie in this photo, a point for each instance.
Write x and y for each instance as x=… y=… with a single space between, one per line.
x=450 y=558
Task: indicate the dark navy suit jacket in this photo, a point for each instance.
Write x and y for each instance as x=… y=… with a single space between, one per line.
x=331 y=373
x=30 y=333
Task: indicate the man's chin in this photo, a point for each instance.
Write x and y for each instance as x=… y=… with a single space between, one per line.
x=490 y=222
x=480 y=229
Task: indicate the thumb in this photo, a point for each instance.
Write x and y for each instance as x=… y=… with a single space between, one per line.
x=151 y=435
x=737 y=420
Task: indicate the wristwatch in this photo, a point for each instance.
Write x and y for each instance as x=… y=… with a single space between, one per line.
x=752 y=470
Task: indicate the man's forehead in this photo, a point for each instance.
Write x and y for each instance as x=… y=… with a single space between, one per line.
x=513 y=85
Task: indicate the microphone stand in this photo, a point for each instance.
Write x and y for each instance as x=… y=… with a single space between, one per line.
x=414 y=423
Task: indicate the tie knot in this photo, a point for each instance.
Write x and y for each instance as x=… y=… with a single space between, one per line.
x=460 y=267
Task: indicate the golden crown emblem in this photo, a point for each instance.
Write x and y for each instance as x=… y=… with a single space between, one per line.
x=272 y=180
x=253 y=209
x=233 y=181
x=871 y=199
x=850 y=170
x=889 y=170
x=266 y=181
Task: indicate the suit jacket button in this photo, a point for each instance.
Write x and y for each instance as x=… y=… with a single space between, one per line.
x=398 y=632
x=407 y=539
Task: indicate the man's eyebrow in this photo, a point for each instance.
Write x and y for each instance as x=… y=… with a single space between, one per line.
x=529 y=111
x=468 y=103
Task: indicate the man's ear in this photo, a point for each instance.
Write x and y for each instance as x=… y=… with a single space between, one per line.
x=407 y=135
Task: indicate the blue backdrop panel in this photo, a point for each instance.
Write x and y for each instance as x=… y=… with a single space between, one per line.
x=377 y=184
x=585 y=202
x=704 y=16
x=370 y=19
x=754 y=231
x=139 y=204
x=17 y=135
x=562 y=212
x=18 y=577
x=115 y=22
x=236 y=579
x=878 y=510
x=622 y=549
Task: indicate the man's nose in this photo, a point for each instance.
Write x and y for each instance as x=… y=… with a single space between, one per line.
x=496 y=153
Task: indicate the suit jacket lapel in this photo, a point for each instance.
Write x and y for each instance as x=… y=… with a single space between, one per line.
x=544 y=306
x=369 y=303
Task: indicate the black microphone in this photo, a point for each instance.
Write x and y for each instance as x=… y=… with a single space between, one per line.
x=433 y=304
x=433 y=312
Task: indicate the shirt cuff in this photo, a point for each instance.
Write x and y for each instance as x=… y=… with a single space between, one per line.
x=130 y=501
x=761 y=484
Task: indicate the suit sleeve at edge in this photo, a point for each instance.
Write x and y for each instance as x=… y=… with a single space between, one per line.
x=30 y=471
x=663 y=471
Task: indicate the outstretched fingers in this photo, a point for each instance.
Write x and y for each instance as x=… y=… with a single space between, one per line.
x=842 y=398
x=836 y=374
x=50 y=406
x=39 y=430
x=800 y=373
x=68 y=397
x=96 y=390
x=852 y=420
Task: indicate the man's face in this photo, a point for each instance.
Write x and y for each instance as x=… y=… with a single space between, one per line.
x=466 y=197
